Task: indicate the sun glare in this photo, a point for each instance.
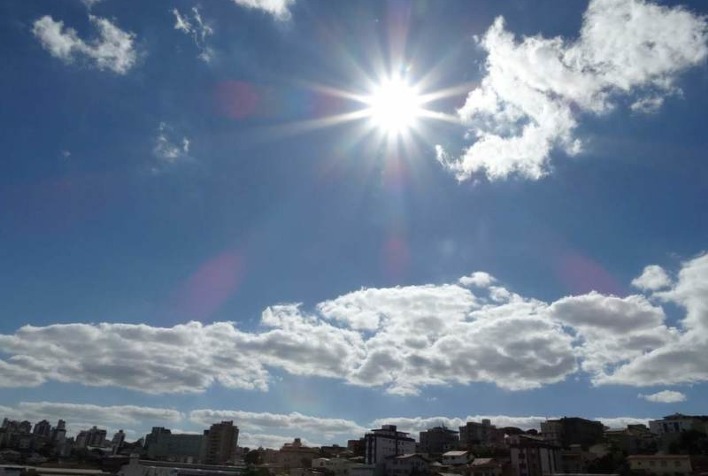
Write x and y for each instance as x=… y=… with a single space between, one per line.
x=394 y=106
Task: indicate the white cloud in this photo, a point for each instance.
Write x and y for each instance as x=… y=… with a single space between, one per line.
x=535 y=90
x=652 y=278
x=400 y=339
x=290 y=422
x=415 y=425
x=665 y=396
x=685 y=358
x=280 y=9
x=90 y=3
x=113 y=49
x=169 y=149
x=194 y=26
x=612 y=330
x=265 y=440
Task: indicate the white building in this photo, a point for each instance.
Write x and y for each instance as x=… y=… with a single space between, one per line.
x=677 y=423
x=661 y=464
x=456 y=458
x=405 y=465
x=386 y=442
x=138 y=467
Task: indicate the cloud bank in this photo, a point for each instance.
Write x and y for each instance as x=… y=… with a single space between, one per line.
x=112 y=50
x=536 y=90
x=399 y=339
x=256 y=428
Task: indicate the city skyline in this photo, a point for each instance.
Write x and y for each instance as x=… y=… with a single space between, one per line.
x=312 y=217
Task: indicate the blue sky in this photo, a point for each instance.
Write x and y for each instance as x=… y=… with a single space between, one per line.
x=210 y=211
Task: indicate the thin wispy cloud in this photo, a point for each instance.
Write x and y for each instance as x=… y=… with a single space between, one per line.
x=169 y=148
x=194 y=26
x=536 y=90
x=113 y=49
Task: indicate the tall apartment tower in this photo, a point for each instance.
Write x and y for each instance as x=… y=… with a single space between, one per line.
x=220 y=443
x=384 y=442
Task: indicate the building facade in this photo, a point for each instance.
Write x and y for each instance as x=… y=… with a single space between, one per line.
x=533 y=456
x=479 y=434
x=386 y=442
x=220 y=443
x=437 y=440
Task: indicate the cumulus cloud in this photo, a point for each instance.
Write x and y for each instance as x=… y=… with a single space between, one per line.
x=195 y=27
x=652 y=278
x=536 y=90
x=400 y=339
x=280 y=9
x=665 y=396
x=612 y=330
x=684 y=359
x=113 y=49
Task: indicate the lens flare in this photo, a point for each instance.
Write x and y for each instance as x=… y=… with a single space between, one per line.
x=394 y=106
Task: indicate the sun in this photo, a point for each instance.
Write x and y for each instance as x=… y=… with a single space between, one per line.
x=394 y=106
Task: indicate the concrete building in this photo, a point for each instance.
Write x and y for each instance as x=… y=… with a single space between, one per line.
x=59 y=433
x=407 y=465
x=291 y=455
x=162 y=445
x=456 y=458
x=42 y=429
x=678 y=423
x=479 y=434
x=631 y=440
x=386 y=442
x=117 y=441
x=137 y=467
x=569 y=431
x=220 y=443
x=485 y=467
x=533 y=456
x=339 y=466
x=438 y=440
x=94 y=437
x=661 y=464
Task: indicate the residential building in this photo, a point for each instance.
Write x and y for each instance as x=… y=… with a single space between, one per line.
x=385 y=442
x=569 y=431
x=117 y=441
x=59 y=432
x=678 y=423
x=661 y=464
x=533 y=456
x=485 y=467
x=95 y=437
x=220 y=443
x=479 y=434
x=42 y=429
x=291 y=455
x=438 y=440
x=407 y=465
x=456 y=458
x=162 y=445
x=631 y=440
x=137 y=467
x=338 y=466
